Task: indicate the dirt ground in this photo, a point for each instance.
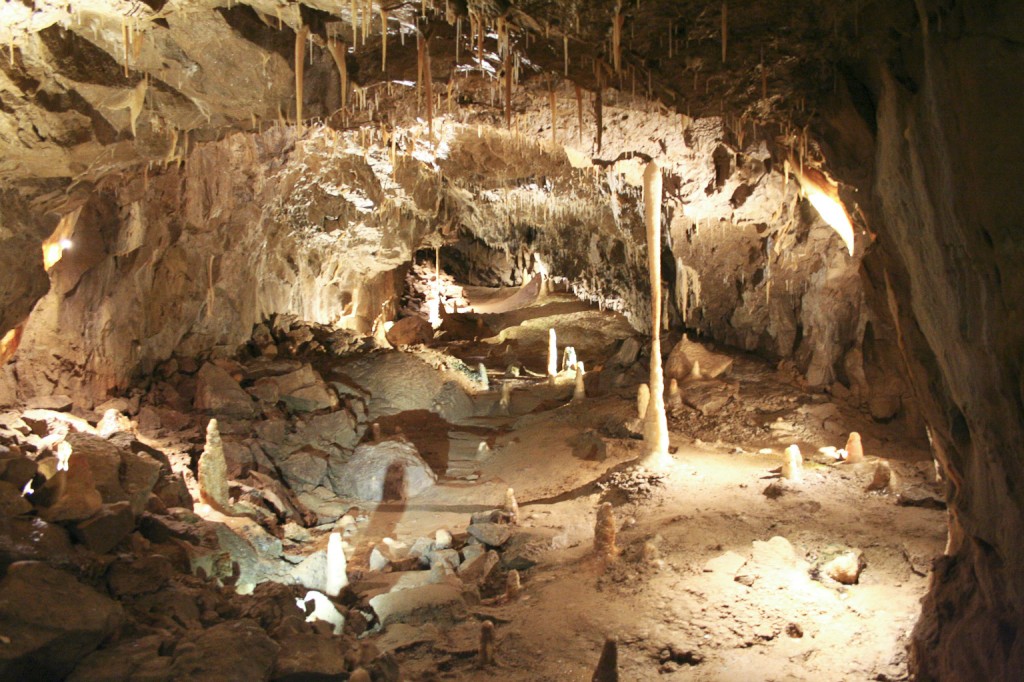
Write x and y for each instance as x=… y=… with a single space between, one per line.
x=714 y=579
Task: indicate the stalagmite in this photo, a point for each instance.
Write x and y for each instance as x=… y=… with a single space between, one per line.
x=854 y=449
x=512 y=585
x=568 y=359
x=604 y=532
x=486 y=653
x=360 y=675
x=481 y=375
x=504 y=405
x=793 y=465
x=337 y=575
x=511 y=506
x=213 y=470
x=695 y=374
x=300 y=70
x=579 y=392
x=656 y=426
x=643 y=399
x=608 y=665
x=882 y=477
x=673 y=389
x=552 y=353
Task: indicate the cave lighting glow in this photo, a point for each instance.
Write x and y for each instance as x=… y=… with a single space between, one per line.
x=821 y=191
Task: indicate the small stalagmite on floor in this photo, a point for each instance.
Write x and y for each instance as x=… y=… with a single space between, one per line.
x=511 y=506
x=643 y=398
x=213 y=470
x=793 y=465
x=552 y=353
x=486 y=653
x=608 y=665
x=360 y=675
x=512 y=585
x=579 y=392
x=854 y=449
x=337 y=569
x=604 y=532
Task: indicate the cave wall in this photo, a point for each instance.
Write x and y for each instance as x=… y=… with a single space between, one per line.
x=948 y=161
x=186 y=260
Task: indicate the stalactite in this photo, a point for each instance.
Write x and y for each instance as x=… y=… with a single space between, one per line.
x=725 y=28
x=338 y=51
x=383 y=39
x=617 y=22
x=355 y=22
x=367 y=20
x=430 y=92
x=579 y=113
x=656 y=426
x=480 y=40
x=420 y=48
x=508 y=91
x=554 y=118
x=300 y=70
x=124 y=39
x=565 y=53
x=599 y=107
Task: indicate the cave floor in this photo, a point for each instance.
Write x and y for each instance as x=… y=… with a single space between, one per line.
x=715 y=580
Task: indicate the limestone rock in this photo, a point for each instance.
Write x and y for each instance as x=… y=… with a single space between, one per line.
x=233 y=650
x=686 y=353
x=104 y=530
x=491 y=534
x=410 y=331
x=144 y=575
x=32 y=539
x=12 y=502
x=436 y=603
x=309 y=657
x=846 y=567
x=218 y=393
x=729 y=563
x=319 y=607
x=388 y=470
x=77 y=497
x=305 y=469
x=50 y=620
x=302 y=390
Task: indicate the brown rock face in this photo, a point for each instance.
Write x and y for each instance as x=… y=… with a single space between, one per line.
x=949 y=153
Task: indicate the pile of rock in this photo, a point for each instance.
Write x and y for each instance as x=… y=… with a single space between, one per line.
x=109 y=574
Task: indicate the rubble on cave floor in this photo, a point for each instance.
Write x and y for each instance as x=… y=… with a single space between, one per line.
x=723 y=569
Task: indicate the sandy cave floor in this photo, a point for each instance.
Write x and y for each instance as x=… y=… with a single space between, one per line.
x=730 y=589
x=715 y=580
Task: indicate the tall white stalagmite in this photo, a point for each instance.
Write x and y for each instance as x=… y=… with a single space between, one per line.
x=337 y=571
x=552 y=353
x=656 y=425
x=579 y=391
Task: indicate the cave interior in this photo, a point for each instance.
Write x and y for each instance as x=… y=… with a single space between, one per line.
x=511 y=339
